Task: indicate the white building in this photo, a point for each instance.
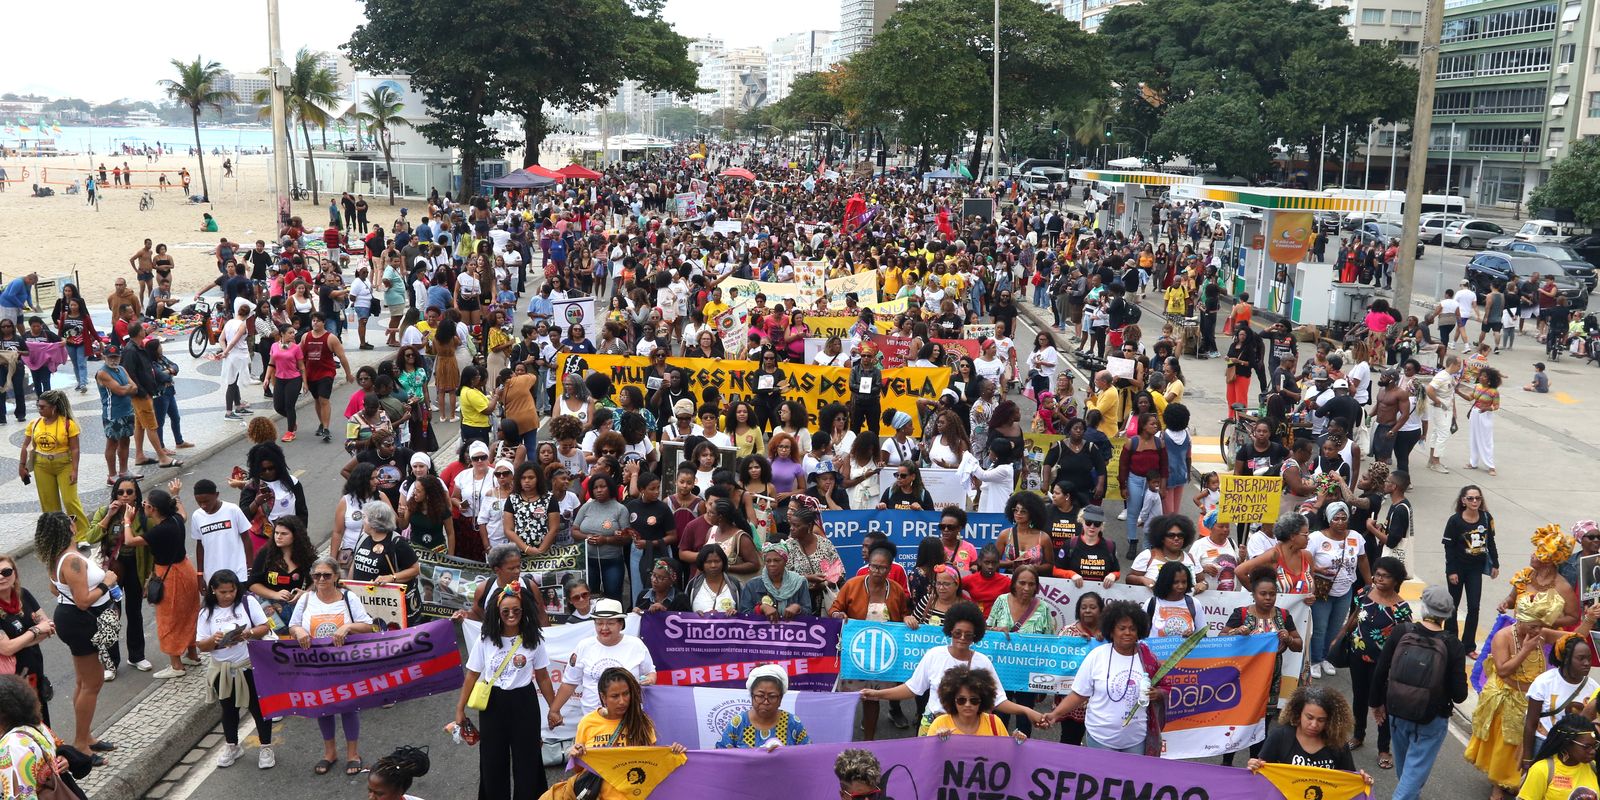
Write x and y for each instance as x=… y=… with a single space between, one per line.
x=859 y=21
x=735 y=79
x=795 y=55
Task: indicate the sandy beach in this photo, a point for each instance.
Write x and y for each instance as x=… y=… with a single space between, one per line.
x=63 y=235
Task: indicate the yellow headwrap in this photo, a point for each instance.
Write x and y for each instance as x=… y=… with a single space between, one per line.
x=1551 y=545
x=1543 y=607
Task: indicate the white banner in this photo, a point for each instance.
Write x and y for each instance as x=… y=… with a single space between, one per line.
x=728 y=226
x=944 y=485
x=698 y=716
x=1062 y=598
x=576 y=312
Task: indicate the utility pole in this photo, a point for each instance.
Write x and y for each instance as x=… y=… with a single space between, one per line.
x=1417 y=172
x=1344 y=162
x=1322 y=156
x=1366 y=162
x=279 y=78
x=994 y=156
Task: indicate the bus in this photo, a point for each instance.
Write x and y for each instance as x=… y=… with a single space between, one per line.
x=1396 y=202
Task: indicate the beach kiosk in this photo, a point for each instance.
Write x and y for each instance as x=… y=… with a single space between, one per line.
x=1267 y=247
x=1128 y=195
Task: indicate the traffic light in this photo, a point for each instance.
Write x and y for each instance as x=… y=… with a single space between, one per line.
x=1108 y=134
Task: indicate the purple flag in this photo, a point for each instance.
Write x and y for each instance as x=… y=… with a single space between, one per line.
x=932 y=768
x=367 y=671
x=691 y=650
x=697 y=717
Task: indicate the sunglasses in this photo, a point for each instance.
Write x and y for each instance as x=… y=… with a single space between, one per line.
x=6 y=572
x=584 y=596
x=502 y=474
x=944 y=527
x=1472 y=497
x=322 y=576
x=480 y=458
x=1094 y=523
x=902 y=474
x=964 y=700
x=1173 y=535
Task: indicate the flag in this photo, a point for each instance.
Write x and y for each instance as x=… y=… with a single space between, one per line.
x=1295 y=781
x=965 y=173
x=23 y=126
x=633 y=771
x=697 y=716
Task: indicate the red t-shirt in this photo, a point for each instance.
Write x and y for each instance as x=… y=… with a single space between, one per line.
x=984 y=590
x=319 y=357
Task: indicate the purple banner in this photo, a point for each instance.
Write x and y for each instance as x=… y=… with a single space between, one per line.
x=935 y=768
x=367 y=671
x=698 y=717
x=691 y=650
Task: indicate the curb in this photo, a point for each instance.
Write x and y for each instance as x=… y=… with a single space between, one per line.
x=186 y=717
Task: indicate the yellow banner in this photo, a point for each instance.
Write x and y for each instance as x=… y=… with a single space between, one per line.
x=633 y=771
x=813 y=385
x=1250 y=498
x=1316 y=782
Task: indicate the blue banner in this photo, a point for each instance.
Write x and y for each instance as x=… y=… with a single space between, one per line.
x=1024 y=662
x=848 y=529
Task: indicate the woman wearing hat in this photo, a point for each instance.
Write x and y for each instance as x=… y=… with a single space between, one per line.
x=775 y=593
x=825 y=488
x=765 y=724
x=682 y=425
x=1517 y=660
x=610 y=648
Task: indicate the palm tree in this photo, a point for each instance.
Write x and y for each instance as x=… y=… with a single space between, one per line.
x=1089 y=123
x=312 y=90
x=195 y=88
x=380 y=110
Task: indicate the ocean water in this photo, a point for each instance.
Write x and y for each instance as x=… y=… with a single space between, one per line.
x=75 y=139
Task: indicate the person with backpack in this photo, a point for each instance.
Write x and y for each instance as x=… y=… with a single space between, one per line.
x=1210 y=304
x=1420 y=675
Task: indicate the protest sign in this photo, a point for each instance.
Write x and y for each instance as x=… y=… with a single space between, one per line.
x=944 y=485
x=728 y=226
x=1118 y=367
x=1250 y=498
x=814 y=386
x=733 y=328
x=685 y=205
x=568 y=313
x=367 y=671
x=697 y=716
x=943 y=768
x=448 y=584
x=863 y=284
x=1589 y=577
x=761 y=516
x=1113 y=465
x=691 y=650
x=386 y=602
x=978 y=331
x=812 y=279
x=847 y=530
x=894 y=350
x=1034 y=447
x=1024 y=662
x=1061 y=597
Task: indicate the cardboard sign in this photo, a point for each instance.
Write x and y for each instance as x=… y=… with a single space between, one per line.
x=1250 y=498
x=386 y=602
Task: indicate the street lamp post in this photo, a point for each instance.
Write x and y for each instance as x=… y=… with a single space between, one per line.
x=994 y=155
x=1522 y=179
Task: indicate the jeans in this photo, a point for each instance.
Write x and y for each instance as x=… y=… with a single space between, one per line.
x=1416 y=745
x=1327 y=616
x=19 y=391
x=166 y=405
x=610 y=576
x=80 y=363
x=1041 y=295
x=1472 y=583
x=1134 y=494
x=1208 y=331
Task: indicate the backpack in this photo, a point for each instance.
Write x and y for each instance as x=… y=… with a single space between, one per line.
x=1416 y=676
x=1188 y=600
x=1132 y=313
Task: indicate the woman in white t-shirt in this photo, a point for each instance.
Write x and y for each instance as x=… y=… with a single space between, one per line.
x=1338 y=554
x=1218 y=557
x=1112 y=683
x=329 y=611
x=833 y=354
x=361 y=301
x=229 y=618
x=509 y=655
x=1043 y=363
x=610 y=647
x=1172 y=611
x=964 y=624
x=989 y=365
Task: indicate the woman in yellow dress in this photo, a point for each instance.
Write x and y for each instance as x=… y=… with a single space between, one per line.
x=968 y=698
x=1517 y=658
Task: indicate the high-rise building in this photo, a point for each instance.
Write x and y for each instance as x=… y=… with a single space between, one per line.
x=795 y=55
x=736 y=79
x=859 y=21
x=244 y=85
x=1508 y=75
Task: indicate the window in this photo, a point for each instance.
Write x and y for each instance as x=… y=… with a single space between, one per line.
x=1594 y=104
x=1403 y=47
x=1557 y=137
x=1398 y=17
x=1371 y=16
x=1503 y=140
x=1571 y=12
x=1568 y=54
x=1499 y=23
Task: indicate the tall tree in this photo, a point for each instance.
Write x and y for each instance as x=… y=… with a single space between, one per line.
x=313 y=89
x=380 y=110
x=195 y=87
x=1574 y=183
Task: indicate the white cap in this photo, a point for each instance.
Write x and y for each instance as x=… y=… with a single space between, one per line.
x=477 y=449
x=1341 y=384
x=422 y=459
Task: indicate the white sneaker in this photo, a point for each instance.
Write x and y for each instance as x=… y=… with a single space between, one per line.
x=169 y=672
x=143 y=665
x=1329 y=670
x=109 y=675
x=1316 y=670
x=1123 y=514
x=266 y=759
x=230 y=753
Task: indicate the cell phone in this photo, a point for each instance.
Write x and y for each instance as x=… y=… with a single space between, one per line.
x=232 y=636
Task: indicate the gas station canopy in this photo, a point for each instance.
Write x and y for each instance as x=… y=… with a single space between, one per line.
x=1271 y=199
x=1133 y=177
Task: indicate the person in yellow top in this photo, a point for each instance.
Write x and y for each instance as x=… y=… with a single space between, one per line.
x=1563 y=769
x=891 y=281
x=1108 y=401
x=714 y=305
x=620 y=721
x=955 y=286
x=1147 y=259
x=969 y=694
x=474 y=406
x=1177 y=297
x=53 y=439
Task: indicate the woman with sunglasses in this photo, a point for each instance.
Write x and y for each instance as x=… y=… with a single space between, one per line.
x=1171 y=538
x=329 y=611
x=382 y=557
x=111 y=527
x=510 y=656
x=1564 y=765
x=907 y=493
x=968 y=697
x=281 y=571
x=23 y=625
x=167 y=539
x=231 y=618
x=1470 y=553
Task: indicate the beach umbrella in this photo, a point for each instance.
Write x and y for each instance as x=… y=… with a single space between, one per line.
x=579 y=172
x=738 y=172
x=545 y=172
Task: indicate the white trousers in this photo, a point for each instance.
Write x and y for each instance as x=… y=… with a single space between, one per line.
x=1481 y=439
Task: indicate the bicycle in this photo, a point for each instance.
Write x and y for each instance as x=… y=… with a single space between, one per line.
x=147 y=201
x=207 y=328
x=1236 y=431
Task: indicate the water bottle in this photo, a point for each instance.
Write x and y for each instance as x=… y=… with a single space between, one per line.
x=116 y=594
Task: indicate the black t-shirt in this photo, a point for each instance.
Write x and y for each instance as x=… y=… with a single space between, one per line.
x=166 y=539
x=896 y=499
x=1283 y=346
x=400 y=459
x=1282 y=747
x=387 y=557
x=1343 y=408
x=1092 y=562
x=259 y=262
x=1399 y=522
x=30 y=659
x=1359 y=518
x=1062 y=526
x=325 y=300
x=298 y=578
x=652 y=521
x=1259 y=463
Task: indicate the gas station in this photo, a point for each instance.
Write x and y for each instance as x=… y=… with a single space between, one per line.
x=1130 y=192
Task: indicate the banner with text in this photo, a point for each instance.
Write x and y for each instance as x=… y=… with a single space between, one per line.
x=386 y=602
x=1250 y=498
x=367 y=671
x=691 y=650
x=567 y=313
x=940 y=768
x=847 y=530
x=697 y=716
x=448 y=584
x=812 y=385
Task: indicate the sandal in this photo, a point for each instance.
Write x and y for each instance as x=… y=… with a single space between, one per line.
x=1354 y=745
x=322 y=767
x=144 y=462
x=1385 y=761
x=352 y=767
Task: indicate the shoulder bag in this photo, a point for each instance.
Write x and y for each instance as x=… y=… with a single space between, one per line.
x=479 y=699
x=156 y=587
x=589 y=784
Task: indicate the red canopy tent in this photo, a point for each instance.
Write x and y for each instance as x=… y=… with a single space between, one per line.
x=544 y=172
x=578 y=171
x=738 y=172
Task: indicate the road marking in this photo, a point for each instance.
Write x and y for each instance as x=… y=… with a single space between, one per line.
x=1563 y=397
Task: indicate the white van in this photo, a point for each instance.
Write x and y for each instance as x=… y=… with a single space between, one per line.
x=1543 y=231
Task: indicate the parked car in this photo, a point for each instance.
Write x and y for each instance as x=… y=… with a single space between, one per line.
x=1492 y=266
x=1471 y=233
x=1544 y=231
x=1571 y=263
x=1431 y=226
x=1381 y=233
x=1328 y=222
x=1035 y=182
x=1587 y=246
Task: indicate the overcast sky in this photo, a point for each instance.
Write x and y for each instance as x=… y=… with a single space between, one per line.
x=131 y=50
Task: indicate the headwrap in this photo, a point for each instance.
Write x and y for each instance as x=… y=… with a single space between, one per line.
x=1543 y=607
x=772 y=671
x=1332 y=510
x=1551 y=545
x=775 y=547
x=1563 y=649
x=899 y=420
x=1582 y=527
